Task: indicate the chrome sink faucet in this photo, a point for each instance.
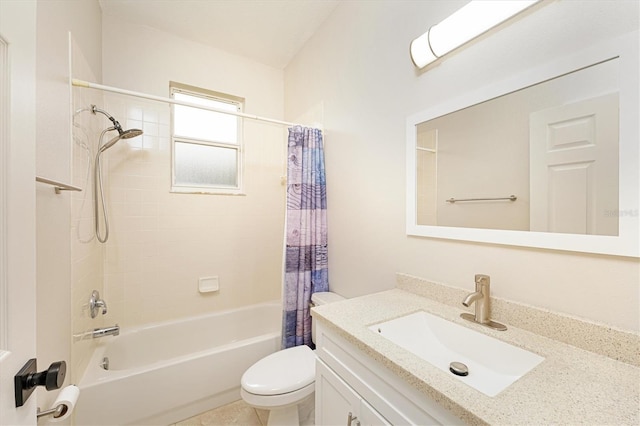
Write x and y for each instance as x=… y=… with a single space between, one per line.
x=483 y=304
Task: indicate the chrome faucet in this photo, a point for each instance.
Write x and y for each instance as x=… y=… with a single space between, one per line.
x=483 y=304
x=114 y=330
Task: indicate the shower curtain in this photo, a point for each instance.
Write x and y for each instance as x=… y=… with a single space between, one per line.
x=306 y=233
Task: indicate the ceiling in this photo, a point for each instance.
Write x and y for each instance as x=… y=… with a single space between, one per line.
x=268 y=31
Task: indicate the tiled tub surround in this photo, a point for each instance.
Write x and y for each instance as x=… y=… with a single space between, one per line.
x=161 y=242
x=571 y=386
x=86 y=270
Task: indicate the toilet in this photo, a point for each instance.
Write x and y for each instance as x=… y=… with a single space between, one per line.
x=282 y=381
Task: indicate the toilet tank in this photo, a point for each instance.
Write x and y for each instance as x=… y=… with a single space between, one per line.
x=322 y=298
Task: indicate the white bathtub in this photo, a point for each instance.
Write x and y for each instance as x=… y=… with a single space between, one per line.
x=170 y=371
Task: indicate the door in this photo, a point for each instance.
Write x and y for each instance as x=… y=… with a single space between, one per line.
x=574 y=167
x=17 y=203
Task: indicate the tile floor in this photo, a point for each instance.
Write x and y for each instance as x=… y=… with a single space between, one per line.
x=239 y=413
x=236 y=413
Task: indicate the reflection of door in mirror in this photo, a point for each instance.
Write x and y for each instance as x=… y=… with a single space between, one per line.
x=574 y=167
x=481 y=155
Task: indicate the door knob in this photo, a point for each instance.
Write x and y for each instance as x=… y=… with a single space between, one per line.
x=28 y=378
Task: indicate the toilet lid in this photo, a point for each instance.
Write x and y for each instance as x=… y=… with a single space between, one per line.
x=281 y=372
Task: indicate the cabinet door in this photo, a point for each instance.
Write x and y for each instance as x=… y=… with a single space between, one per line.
x=334 y=398
x=370 y=417
x=338 y=404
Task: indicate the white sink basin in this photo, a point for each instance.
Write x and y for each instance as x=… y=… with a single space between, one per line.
x=492 y=364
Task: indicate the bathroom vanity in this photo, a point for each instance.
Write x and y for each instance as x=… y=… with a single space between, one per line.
x=353 y=389
x=362 y=378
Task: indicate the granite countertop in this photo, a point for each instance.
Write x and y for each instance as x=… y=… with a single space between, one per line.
x=571 y=386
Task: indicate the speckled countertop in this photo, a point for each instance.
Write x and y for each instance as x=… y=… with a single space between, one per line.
x=571 y=386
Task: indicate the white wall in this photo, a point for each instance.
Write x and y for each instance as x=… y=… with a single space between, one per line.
x=53 y=160
x=358 y=67
x=162 y=242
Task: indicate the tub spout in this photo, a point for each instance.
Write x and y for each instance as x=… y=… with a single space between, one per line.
x=114 y=330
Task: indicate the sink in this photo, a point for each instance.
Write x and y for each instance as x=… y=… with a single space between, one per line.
x=492 y=364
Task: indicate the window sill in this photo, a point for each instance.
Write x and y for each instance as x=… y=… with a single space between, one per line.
x=207 y=191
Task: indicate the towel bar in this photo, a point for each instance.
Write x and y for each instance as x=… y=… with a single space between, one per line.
x=57 y=186
x=510 y=198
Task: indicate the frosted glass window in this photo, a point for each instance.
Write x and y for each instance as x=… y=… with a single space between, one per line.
x=205 y=165
x=207 y=145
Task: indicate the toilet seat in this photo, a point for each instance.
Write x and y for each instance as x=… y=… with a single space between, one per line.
x=282 y=372
x=268 y=402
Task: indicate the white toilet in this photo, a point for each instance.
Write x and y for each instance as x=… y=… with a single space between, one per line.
x=285 y=379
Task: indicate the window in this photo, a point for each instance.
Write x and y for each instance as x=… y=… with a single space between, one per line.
x=207 y=145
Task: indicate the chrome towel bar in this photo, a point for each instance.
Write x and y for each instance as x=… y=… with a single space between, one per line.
x=455 y=200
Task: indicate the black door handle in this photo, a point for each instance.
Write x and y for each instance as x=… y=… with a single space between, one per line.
x=28 y=378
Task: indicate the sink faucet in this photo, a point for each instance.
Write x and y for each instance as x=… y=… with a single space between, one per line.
x=481 y=298
x=483 y=304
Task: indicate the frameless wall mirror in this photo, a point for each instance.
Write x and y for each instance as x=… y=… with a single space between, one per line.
x=548 y=159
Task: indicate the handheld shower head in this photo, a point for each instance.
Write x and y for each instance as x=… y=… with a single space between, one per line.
x=123 y=134
x=131 y=133
x=97 y=170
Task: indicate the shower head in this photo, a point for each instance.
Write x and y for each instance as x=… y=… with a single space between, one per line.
x=123 y=134
x=131 y=133
x=97 y=170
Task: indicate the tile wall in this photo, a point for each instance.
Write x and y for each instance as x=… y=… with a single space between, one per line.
x=86 y=253
x=161 y=243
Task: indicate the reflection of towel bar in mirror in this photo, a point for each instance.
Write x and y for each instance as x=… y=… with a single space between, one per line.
x=419 y=148
x=58 y=186
x=455 y=200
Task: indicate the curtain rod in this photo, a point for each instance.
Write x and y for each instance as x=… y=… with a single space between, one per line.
x=86 y=84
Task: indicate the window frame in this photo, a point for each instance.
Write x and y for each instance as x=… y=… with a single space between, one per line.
x=185 y=89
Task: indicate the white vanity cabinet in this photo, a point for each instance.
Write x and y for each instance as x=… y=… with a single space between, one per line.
x=338 y=404
x=349 y=382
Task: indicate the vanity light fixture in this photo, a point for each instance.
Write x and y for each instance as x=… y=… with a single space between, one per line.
x=467 y=23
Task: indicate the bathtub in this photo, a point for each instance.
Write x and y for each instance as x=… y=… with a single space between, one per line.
x=166 y=372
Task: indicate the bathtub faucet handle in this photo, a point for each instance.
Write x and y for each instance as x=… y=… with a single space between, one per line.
x=95 y=303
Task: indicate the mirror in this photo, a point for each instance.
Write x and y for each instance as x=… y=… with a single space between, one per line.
x=548 y=159
x=543 y=158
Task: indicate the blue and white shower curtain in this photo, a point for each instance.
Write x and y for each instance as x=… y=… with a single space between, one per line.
x=306 y=234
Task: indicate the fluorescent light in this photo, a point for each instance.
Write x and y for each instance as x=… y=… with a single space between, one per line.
x=421 y=53
x=467 y=23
